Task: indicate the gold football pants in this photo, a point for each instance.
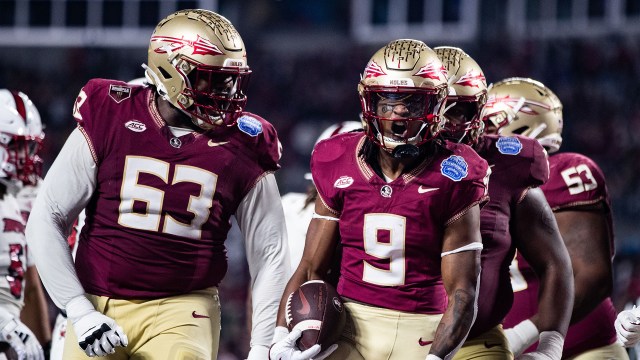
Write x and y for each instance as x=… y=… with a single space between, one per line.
x=184 y=327
x=374 y=333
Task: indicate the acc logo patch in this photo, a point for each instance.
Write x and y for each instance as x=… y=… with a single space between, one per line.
x=454 y=167
x=135 y=125
x=119 y=93
x=343 y=182
x=249 y=125
x=509 y=145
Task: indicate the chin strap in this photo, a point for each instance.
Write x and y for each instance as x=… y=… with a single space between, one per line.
x=155 y=80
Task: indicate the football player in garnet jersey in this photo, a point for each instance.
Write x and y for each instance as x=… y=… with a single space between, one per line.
x=577 y=194
x=405 y=206
x=24 y=320
x=517 y=216
x=160 y=170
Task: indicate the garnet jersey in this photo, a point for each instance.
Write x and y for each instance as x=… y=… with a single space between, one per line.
x=162 y=203
x=14 y=259
x=575 y=181
x=517 y=163
x=391 y=233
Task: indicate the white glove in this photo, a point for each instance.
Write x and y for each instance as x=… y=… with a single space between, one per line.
x=22 y=340
x=258 y=352
x=549 y=347
x=433 y=357
x=521 y=336
x=627 y=326
x=286 y=348
x=98 y=335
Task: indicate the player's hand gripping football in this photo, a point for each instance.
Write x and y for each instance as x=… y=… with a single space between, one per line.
x=98 y=335
x=627 y=326
x=286 y=349
x=22 y=340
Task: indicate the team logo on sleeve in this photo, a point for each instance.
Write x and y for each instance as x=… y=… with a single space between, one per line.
x=509 y=145
x=454 y=167
x=343 y=182
x=250 y=125
x=119 y=93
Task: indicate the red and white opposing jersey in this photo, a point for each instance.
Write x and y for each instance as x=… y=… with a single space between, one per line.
x=391 y=232
x=26 y=196
x=14 y=258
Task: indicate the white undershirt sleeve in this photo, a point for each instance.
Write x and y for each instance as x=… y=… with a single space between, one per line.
x=261 y=220
x=65 y=191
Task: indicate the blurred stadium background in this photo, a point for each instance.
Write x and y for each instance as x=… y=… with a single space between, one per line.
x=307 y=57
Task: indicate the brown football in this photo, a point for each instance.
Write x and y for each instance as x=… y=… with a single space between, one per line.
x=317 y=310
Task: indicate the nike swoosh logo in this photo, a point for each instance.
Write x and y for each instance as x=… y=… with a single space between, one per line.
x=212 y=144
x=306 y=308
x=198 y=316
x=424 y=343
x=422 y=190
x=489 y=346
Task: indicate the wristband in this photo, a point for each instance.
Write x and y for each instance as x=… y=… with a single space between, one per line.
x=551 y=343
x=279 y=333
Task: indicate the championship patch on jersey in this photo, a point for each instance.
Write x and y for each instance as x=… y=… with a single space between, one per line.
x=119 y=93
x=343 y=182
x=509 y=145
x=135 y=126
x=250 y=125
x=454 y=167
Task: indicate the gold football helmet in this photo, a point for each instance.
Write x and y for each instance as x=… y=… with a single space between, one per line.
x=525 y=107
x=198 y=62
x=405 y=74
x=467 y=95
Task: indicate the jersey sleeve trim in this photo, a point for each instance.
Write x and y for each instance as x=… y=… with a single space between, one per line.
x=460 y=214
x=257 y=180
x=94 y=154
x=333 y=211
x=578 y=204
x=523 y=194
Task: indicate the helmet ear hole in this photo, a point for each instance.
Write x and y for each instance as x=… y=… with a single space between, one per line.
x=164 y=73
x=520 y=130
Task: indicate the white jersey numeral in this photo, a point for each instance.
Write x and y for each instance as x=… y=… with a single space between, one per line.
x=574 y=181
x=393 y=250
x=153 y=198
x=518 y=282
x=82 y=97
